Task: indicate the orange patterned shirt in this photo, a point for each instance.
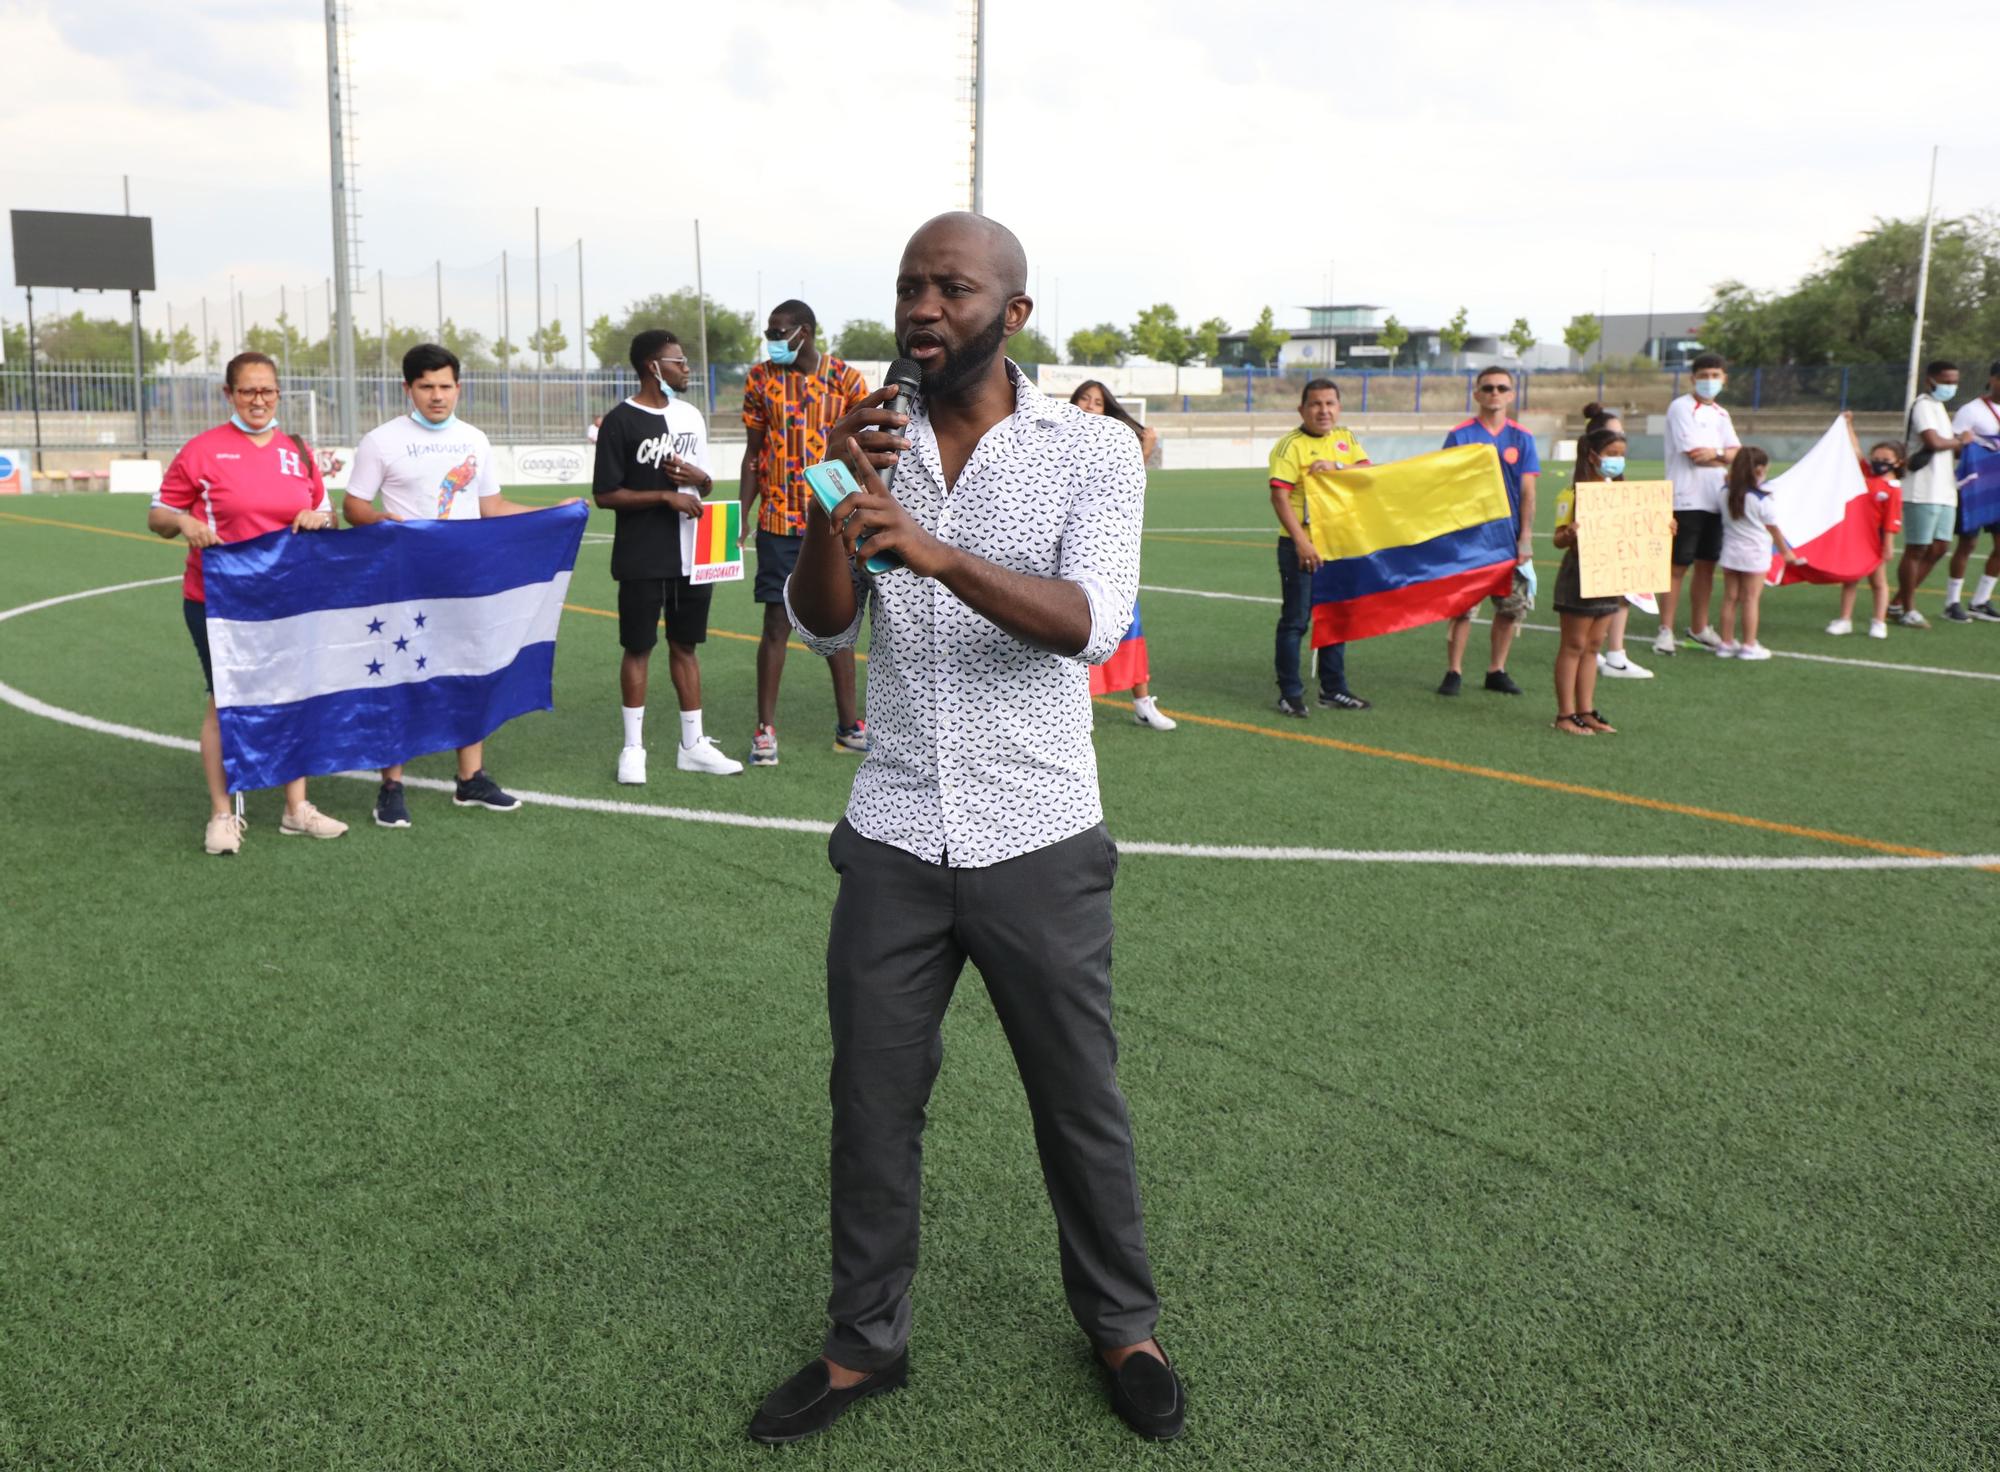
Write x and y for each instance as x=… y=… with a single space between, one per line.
x=794 y=410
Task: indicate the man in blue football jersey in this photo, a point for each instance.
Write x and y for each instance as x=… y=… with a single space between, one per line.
x=1520 y=466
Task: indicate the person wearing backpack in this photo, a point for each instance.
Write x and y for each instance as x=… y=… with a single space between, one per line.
x=1930 y=489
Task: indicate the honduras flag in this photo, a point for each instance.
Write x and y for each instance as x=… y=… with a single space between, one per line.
x=366 y=647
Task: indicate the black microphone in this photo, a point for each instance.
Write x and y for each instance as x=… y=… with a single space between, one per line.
x=905 y=377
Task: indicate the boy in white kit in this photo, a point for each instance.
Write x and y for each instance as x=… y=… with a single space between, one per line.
x=428 y=465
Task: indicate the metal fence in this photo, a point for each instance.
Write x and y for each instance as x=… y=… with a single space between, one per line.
x=93 y=406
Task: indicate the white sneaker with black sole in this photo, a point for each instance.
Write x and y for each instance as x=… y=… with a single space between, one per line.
x=1664 y=643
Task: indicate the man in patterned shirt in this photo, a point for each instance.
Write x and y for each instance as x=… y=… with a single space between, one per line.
x=788 y=402
x=974 y=831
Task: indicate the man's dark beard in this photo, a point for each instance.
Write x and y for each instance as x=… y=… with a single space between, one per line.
x=961 y=366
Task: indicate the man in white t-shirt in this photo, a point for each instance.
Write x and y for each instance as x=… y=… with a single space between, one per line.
x=1981 y=420
x=429 y=465
x=1930 y=492
x=1701 y=441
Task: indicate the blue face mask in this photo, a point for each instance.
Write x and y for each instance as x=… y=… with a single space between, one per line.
x=449 y=420
x=1944 y=393
x=784 y=354
x=237 y=420
x=1613 y=466
x=1707 y=388
x=665 y=387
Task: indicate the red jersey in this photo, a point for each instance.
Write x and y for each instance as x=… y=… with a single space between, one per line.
x=240 y=489
x=1886 y=495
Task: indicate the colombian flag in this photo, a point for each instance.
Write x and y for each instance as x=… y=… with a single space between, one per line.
x=709 y=547
x=1408 y=543
x=1127 y=665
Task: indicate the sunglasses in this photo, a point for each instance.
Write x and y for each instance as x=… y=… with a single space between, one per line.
x=1494 y=388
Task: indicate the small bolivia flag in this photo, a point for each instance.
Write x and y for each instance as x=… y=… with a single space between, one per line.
x=710 y=547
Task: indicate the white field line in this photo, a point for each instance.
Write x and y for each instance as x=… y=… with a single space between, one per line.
x=819 y=828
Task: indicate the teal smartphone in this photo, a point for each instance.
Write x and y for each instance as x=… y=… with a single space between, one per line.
x=832 y=482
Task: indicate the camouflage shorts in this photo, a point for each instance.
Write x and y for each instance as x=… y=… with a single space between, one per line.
x=1518 y=603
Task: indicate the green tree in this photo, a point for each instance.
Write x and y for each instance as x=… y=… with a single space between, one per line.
x=1859 y=304
x=1157 y=333
x=1454 y=334
x=1207 y=339
x=1582 y=334
x=1392 y=336
x=1029 y=346
x=864 y=340
x=1520 y=337
x=287 y=346
x=549 y=342
x=732 y=337
x=183 y=348
x=1266 y=340
x=1099 y=346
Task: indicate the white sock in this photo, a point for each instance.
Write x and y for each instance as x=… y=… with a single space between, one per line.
x=1985 y=593
x=1615 y=658
x=1952 y=588
x=1142 y=702
x=635 y=724
x=690 y=728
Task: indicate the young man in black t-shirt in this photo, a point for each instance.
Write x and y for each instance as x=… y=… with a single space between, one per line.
x=652 y=470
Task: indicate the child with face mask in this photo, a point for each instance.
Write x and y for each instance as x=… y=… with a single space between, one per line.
x=1600 y=455
x=1748 y=533
x=1883 y=468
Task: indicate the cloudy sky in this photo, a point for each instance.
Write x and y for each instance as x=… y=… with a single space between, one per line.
x=1523 y=159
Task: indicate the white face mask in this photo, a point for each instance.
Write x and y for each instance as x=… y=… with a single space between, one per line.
x=1707 y=388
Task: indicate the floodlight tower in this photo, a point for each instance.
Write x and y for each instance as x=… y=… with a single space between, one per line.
x=346 y=243
x=972 y=51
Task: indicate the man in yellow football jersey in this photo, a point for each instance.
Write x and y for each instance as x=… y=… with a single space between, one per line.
x=1318 y=445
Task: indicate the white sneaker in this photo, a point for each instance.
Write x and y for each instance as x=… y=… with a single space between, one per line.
x=1147 y=713
x=1707 y=638
x=706 y=756
x=1909 y=618
x=1877 y=629
x=1664 y=644
x=1841 y=626
x=1621 y=668
x=1753 y=651
x=310 y=822
x=632 y=766
x=1731 y=650
x=224 y=835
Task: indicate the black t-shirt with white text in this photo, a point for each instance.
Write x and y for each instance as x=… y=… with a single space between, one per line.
x=633 y=444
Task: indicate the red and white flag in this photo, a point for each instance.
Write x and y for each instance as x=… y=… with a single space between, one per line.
x=1827 y=513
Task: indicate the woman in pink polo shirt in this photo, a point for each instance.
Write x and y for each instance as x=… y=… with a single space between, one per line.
x=228 y=484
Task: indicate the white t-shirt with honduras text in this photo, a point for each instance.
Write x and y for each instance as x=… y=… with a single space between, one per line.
x=1937 y=483
x=425 y=473
x=1695 y=425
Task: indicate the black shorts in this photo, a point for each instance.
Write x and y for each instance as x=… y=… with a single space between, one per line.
x=195 y=615
x=1698 y=538
x=643 y=603
x=776 y=557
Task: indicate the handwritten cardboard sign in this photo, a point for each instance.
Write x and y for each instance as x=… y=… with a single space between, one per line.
x=1623 y=540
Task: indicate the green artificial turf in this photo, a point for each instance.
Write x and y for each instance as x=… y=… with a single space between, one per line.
x=500 y=1142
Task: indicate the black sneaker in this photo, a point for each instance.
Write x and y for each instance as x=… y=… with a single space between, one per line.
x=1452 y=681
x=390 y=809
x=481 y=791
x=1292 y=705
x=1503 y=682
x=1985 y=612
x=1343 y=700
x=1956 y=613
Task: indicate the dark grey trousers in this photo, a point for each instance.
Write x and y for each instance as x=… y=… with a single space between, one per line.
x=1039 y=929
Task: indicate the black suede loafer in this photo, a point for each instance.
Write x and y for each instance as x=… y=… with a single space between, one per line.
x=1148 y=1397
x=808 y=1403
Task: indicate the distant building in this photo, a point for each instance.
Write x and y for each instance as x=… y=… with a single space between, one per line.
x=1348 y=336
x=1671 y=339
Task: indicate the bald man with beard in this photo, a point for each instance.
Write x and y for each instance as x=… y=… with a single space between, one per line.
x=974 y=830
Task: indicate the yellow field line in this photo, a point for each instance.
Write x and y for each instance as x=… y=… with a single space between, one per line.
x=1546 y=784
x=78 y=526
